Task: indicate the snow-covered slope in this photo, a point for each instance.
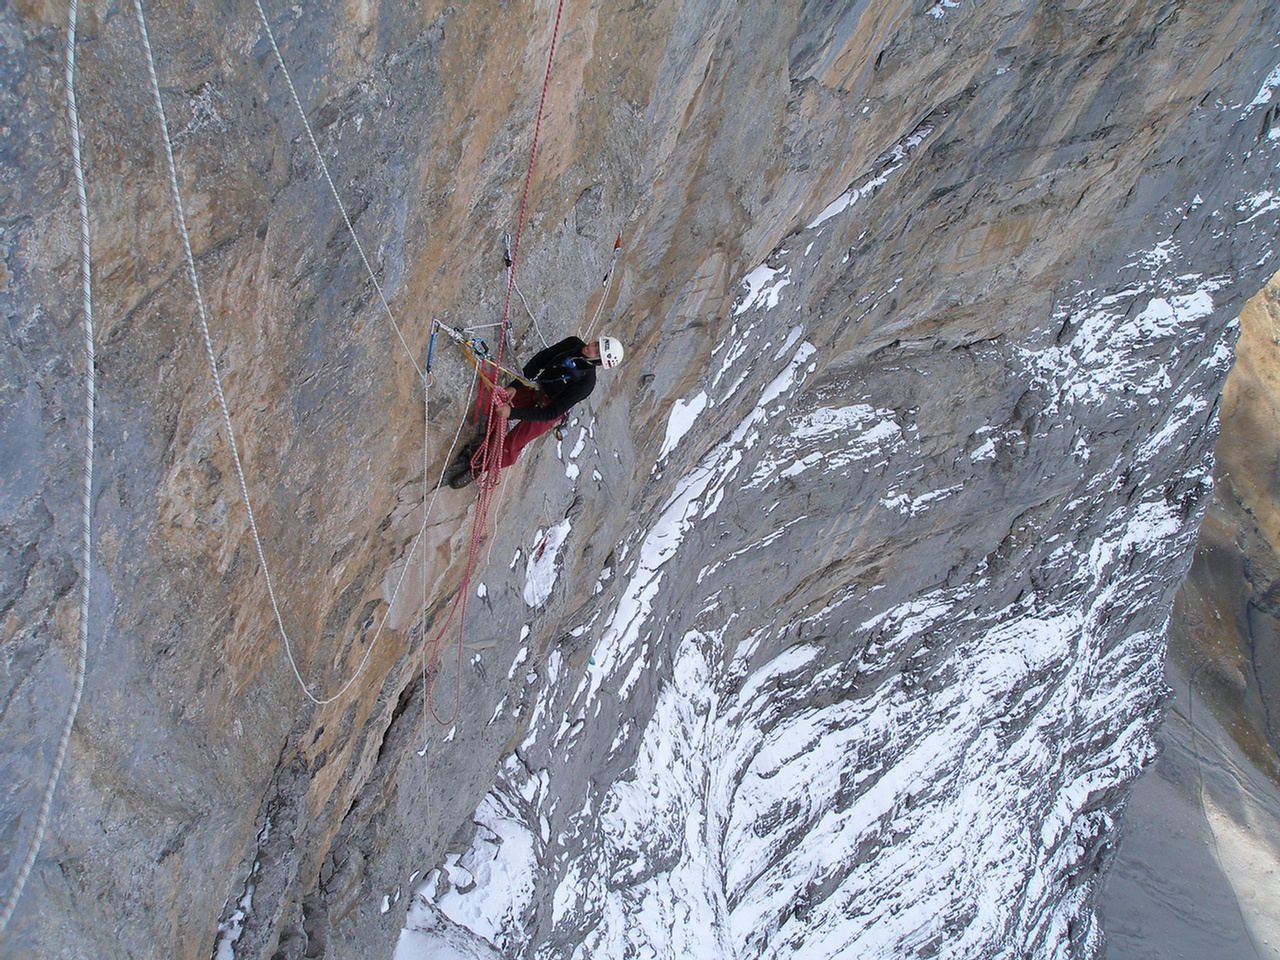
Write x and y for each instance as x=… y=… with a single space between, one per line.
x=847 y=732
x=831 y=626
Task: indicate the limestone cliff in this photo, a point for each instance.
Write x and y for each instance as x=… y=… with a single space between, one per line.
x=861 y=562
x=1224 y=630
x=1201 y=839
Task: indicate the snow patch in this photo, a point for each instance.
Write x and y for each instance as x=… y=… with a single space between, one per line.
x=681 y=421
x=889 y=164
x=1265 y=93
x=829 y=437
x=540 y=571
x=497 y=868
x=762 y=288
x=697 y=494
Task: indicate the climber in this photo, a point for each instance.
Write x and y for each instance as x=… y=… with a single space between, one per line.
x=564 y=374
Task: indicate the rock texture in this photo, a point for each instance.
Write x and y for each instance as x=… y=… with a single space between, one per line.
x=881 y=540
x=1200 y=847
x=1224 y=632
x=1202 y=887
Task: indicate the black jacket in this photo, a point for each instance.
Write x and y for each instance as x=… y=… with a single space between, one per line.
x=564 y=377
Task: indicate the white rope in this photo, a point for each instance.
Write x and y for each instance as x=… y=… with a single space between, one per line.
x=226 y=416
x=422 y=609
x=541 y=335
x=511 y=280
x=86 y=289
x=599 y=306
x=607 y=283
x=333 y=189
x=448 y=459
x=222 y=400
x=497 y=514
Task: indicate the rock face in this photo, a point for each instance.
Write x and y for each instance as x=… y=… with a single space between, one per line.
x=1226 y=625
x=1202 y=831
x=1200 y=846
x=834 y=624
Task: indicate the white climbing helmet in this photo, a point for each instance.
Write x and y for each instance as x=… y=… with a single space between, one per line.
x=610 y=351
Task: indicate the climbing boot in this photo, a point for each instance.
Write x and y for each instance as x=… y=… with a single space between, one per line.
x=467 y=452
x=455 y=469
x=461 y=464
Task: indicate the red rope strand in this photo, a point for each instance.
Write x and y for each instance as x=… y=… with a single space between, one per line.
x=528 y=179
x=486 y=464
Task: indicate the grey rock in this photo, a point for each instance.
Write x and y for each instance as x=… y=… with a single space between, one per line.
x=978 y=419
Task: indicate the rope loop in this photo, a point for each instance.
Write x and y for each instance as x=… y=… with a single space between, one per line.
x=216 y=374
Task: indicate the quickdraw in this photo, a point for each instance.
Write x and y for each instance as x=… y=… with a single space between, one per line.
x=477 y=353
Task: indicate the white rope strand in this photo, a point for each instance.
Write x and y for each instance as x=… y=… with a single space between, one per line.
x=208 y=347
x=422 y=609
x=606 y=284
x=604 y=295
x=511 y=281
x=497 y=513
x=226 y=416
x=86 y=290
x=541 y=335
x=333 y=189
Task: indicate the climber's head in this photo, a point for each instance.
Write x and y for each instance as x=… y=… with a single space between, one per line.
x=610 y=351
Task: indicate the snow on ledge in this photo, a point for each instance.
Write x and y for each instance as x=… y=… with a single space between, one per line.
x=540 y=572
x=681 y=421
x=761 y=288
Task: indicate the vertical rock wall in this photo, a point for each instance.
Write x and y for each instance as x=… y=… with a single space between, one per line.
x=1202 y=832
x=1006 y=161
x=1225 y=625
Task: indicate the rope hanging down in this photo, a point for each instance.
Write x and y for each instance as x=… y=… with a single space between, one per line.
x=487 y=370
x=324 y=167
x=424 y=375
x=506 y=247
x=222 y=402
x=485 y=464
x=86 y=490
x=528 y=180
x=605 y=283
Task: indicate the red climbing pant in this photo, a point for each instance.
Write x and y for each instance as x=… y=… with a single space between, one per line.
x=523 y=431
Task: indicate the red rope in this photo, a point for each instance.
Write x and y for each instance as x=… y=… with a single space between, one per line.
x=528 y=179
x=486 y=462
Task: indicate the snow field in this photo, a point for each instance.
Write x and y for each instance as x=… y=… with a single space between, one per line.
x=915 y=796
